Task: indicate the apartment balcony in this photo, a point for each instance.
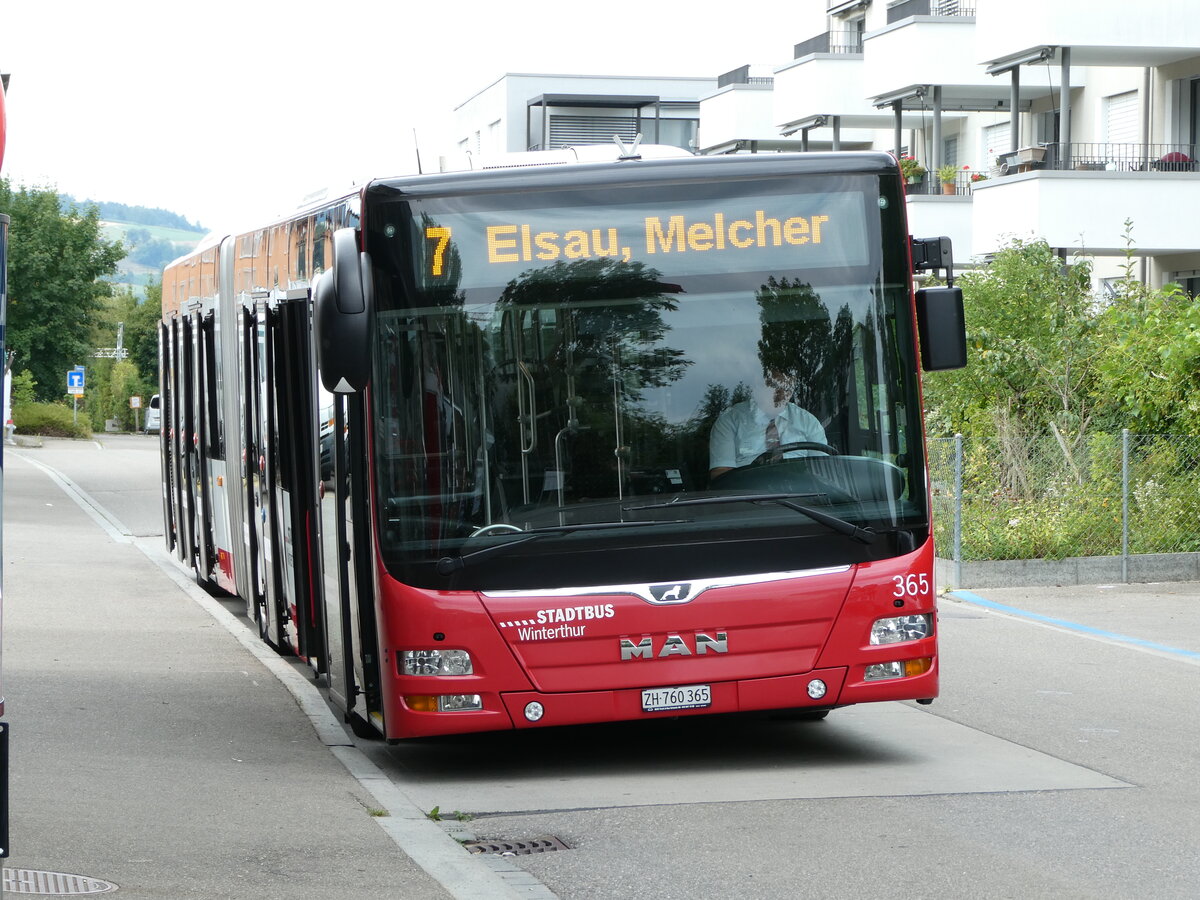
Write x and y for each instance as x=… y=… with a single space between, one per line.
x=825 y=82
x=1100 y=33
x=1081 y=197
x=924 y=43
x=850 y=42
x=739 y=115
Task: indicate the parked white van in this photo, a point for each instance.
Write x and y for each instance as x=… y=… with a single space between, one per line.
x=153 y=415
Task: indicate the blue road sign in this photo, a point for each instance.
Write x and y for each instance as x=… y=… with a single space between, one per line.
x=75 y=378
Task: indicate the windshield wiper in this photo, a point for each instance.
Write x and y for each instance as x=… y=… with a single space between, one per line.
x=448 y=565
x=841 y=526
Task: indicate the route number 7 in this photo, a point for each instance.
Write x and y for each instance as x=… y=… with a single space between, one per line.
x=442 y=236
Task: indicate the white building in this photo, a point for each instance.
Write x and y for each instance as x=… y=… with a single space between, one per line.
x=1107 y=118
x=1082 y=117
x=521 y=112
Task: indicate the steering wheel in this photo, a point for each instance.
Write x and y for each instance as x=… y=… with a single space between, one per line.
x=766 y=455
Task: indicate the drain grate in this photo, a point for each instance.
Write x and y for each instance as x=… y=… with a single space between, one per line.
x=516 y=848
x=53 y=884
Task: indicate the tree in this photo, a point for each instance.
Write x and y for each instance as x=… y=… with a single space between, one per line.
x=1033 y=344
x=1149 y=372
x=141 y=320
x=54 y=295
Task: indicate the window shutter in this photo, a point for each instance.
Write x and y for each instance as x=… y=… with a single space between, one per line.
x=1121 y=118
x=996 y=140
x=568 y=131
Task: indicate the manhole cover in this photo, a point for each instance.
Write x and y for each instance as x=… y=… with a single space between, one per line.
x=516 y=848
x=53 y=884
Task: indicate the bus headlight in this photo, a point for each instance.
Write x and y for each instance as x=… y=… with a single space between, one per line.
x=906 y=668
x=901 y=628
x=435 y=662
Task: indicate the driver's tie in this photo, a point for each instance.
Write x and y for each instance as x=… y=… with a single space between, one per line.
x=773 y=441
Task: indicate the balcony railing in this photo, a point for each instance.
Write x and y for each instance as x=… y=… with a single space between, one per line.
x=929 y=8
x=962 y=184
x=1101 y=157
x=741 y=75
x=830 y=42
x=1083 y=157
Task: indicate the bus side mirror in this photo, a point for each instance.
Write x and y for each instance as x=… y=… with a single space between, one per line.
x=343 y=308
x=941 y=328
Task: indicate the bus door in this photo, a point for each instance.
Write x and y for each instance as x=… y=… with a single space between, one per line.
x=216 y=546
x=188 y=443
x=252 y=483
x=568 y=407
x=179 y=440
x=271 y=618
x=166 y=446
x=290 y=434
x=348 y=595
x=524 y=375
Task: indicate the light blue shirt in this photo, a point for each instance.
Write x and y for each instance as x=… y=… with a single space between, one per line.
x=739 y=436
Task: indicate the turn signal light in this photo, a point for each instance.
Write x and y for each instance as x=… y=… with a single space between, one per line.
x=917 y=666
x=443 y=702
x=899 y=669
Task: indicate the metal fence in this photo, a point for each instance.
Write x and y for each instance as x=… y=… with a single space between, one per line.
x=1054 y=498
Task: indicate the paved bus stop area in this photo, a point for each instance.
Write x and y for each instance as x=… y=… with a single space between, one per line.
x=150 y=749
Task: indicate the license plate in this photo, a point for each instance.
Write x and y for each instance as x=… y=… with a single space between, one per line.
x=690 y=696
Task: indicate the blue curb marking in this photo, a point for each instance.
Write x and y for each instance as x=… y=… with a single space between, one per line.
x=969 y=597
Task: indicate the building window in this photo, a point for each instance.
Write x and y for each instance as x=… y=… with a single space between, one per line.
x=1121 y=118
x=997 y=139
x=1189 y=281
x=950 y=151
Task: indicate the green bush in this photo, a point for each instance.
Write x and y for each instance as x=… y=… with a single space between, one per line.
x=50 y=420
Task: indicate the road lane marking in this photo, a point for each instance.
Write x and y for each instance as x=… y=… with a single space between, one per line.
x=1178 y=654
x=112 y=526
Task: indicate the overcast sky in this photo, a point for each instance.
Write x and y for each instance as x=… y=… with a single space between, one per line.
x=235 y=110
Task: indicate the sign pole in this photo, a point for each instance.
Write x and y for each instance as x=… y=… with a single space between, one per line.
x=4 y=222
x=76 y=378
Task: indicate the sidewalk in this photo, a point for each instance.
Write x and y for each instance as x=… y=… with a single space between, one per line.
x=151 y=749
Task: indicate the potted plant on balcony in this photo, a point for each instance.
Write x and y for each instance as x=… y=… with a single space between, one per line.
x=948 y=175
x=912 y=170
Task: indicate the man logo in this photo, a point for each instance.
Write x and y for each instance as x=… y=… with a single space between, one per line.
x=670 y=593
x=648 y=647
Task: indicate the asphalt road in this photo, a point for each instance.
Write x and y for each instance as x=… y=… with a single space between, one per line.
x=1060 y=760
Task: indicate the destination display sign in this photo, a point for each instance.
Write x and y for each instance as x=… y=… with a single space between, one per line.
x=768 y=233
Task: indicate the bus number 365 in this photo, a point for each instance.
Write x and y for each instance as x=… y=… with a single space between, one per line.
x=914 y=585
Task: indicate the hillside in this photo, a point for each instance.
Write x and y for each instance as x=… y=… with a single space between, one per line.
x=152 y=236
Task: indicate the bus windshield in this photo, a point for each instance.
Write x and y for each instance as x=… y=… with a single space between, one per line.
x=564 y=372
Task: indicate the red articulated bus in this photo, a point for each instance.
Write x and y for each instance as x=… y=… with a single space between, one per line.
x=573 y=442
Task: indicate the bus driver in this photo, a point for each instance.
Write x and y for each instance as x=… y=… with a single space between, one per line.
x=767 y=421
